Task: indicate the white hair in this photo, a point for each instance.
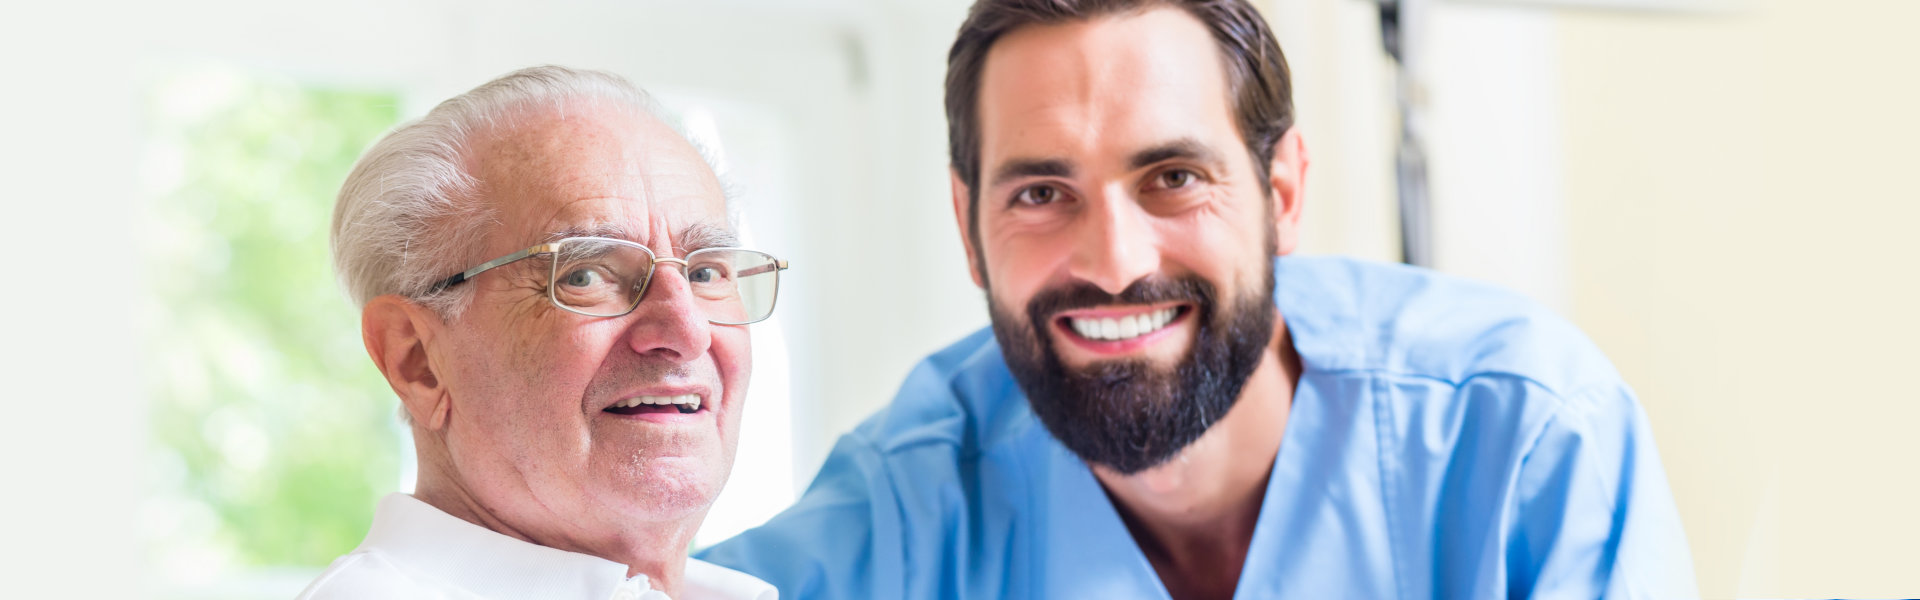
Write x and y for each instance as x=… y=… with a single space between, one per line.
x=409 y=211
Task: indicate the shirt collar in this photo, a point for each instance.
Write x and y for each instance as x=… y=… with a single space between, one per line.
x=706 y=581
x=1321 y=300
x=480 y=560
x=435 y=544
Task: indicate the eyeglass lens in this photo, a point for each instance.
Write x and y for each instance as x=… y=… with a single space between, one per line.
x=607 y=278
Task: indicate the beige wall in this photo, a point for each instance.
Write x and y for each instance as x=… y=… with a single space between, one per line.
x=1742 y=211
x=1730 y=220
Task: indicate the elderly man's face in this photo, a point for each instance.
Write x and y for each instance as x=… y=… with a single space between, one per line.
x=1124 y=232
x=530 y=430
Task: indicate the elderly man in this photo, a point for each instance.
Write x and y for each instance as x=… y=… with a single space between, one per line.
x=1167 y=407
x=550 y=283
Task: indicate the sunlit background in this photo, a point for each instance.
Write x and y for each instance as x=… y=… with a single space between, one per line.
x=1716 y=190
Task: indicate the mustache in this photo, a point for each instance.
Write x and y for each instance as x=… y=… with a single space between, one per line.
x=1149 y=290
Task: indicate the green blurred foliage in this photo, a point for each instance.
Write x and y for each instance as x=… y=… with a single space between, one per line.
x=270 y=421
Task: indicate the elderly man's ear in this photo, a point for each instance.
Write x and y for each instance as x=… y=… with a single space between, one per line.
x=397 y=331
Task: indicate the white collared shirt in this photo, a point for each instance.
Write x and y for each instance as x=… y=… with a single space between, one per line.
x=417 y=551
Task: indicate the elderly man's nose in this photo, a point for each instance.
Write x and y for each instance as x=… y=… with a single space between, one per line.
x=668 y=322
x=1115 y=243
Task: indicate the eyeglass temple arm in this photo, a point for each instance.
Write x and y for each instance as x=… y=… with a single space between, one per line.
x=462 y=276
x=778 y=265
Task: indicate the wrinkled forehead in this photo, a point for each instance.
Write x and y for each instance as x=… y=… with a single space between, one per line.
x=593 y=166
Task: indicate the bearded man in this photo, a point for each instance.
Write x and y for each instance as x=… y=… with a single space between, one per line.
x=1169 y=406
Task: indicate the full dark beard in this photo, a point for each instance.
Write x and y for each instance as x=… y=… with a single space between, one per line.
x=1132 y=415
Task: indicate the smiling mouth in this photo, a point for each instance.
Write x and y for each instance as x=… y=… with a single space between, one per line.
x=640 y=405
x=1116 y=329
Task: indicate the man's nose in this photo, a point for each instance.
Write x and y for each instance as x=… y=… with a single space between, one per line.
x=669 y=323
x=1117 y=245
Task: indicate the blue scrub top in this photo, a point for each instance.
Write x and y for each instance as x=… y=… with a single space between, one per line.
x=1447 y=440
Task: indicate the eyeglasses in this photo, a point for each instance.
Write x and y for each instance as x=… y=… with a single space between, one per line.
x=604 y=277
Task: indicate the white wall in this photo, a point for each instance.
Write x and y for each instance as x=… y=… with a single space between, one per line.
x=67 y=356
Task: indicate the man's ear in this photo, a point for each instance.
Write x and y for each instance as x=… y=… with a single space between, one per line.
x=963 y=216
x=397 y=331
x=1288 y=177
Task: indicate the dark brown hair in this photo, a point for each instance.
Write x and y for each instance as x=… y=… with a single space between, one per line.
x=1257 y=76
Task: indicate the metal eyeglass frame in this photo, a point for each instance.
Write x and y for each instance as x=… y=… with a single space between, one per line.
x=653 y=263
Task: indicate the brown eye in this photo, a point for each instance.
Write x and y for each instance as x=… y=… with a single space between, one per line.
x=1175 y=179
x=1037 y=195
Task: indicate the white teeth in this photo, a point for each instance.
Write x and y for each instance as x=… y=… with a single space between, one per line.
x=687 y=399
x=1087 y=329
x=1124 y=328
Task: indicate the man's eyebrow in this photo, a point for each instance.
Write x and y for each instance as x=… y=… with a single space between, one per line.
x=605 y=230
x=1187 y=148
x=692 y=237
x=700 y=236
x=1031 y=167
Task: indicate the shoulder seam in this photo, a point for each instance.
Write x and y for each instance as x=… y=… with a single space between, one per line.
x=866 y=442
x=1557 y=392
